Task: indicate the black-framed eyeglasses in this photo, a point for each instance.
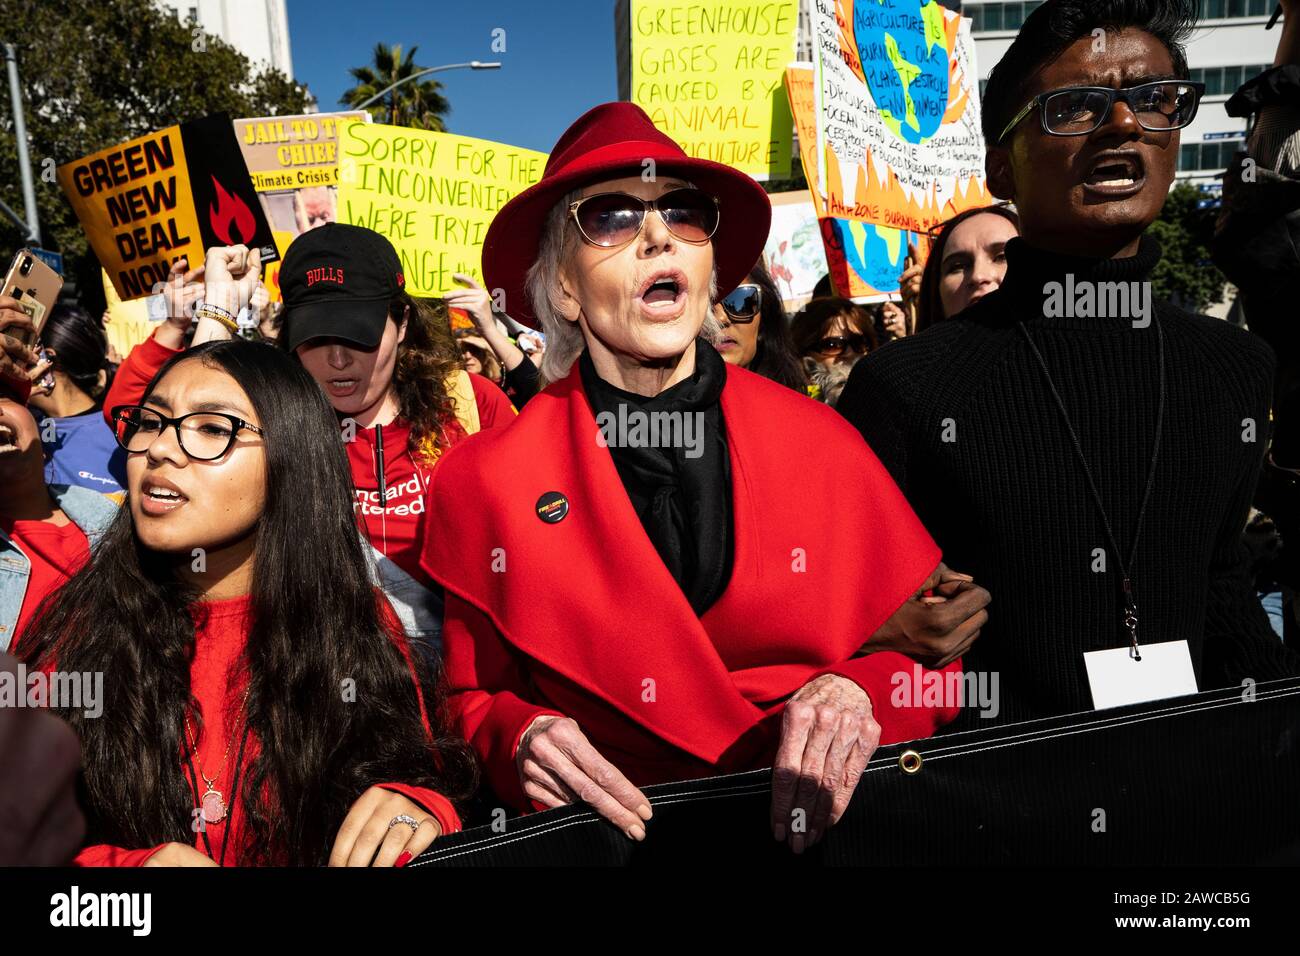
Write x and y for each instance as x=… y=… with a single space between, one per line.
x=615 y=219
x=1160 y=106
x=203 y=436
x=837 y=344
x=743 y=305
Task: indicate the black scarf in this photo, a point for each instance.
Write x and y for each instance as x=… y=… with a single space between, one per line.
x=684 y=502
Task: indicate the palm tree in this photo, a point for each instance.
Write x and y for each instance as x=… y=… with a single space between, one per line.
x=418 y=103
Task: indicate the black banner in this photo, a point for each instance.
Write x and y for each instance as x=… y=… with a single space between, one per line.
x=1212 y=779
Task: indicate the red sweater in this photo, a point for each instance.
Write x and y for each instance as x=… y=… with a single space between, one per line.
x=396 y=530
x=56 y=552
x=588 y=623
x=221 y=634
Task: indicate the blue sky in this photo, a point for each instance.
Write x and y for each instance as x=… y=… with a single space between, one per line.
x=559 y=58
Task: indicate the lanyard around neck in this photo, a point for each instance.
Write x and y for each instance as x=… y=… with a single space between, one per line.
x=1126 y=567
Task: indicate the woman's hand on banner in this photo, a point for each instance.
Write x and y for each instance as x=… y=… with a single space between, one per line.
x=559 y=766
x=909 y=283
x=828 y=734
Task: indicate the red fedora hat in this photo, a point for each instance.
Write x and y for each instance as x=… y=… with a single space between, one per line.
x=607 y=142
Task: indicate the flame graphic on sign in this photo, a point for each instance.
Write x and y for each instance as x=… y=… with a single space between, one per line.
x=886 y=198
x=231 y=219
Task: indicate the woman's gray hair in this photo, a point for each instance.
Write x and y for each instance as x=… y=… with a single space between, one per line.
x=564 y=342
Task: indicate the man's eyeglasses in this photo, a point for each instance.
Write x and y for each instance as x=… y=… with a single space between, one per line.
x=615 y=219
x=744 y=304
x=203 y=436
x=1160 y=106
x=838 y=344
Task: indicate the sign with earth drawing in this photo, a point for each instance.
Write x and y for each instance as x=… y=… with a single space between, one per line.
x=898 y=120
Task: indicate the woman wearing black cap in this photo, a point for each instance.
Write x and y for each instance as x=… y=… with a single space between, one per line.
x=389 y=367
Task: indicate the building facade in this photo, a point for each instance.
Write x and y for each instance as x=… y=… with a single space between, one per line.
x=1229 y=46
x=259 y=29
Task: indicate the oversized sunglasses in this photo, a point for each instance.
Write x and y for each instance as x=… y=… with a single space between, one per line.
x=615 y=219
x=1160 y=106
x=836 y=344
x=744 y=304
x=203 y=436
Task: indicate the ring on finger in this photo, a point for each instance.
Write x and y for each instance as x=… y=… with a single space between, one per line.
x=410 y=821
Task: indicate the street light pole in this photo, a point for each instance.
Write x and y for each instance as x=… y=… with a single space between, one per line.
x=33 y=223
x=472 y=65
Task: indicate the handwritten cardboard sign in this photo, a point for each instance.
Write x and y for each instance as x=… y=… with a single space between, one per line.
x=898 y=120
x=432 y=194
x=710 y=76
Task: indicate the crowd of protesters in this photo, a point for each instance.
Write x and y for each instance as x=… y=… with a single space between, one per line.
x=489 y=593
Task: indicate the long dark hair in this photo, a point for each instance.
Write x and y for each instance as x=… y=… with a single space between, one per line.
x=81 y=349
x=929 y=306
x=775 y=357
x=316 y=626
x=426 y=359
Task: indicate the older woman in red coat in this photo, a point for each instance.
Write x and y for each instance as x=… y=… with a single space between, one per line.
x=668 y=567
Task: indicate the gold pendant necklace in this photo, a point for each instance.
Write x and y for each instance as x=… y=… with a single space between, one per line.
x=212 y=804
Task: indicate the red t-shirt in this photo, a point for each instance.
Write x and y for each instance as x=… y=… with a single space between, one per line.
x=56 y=552
x=221 y=632
x=397 y=530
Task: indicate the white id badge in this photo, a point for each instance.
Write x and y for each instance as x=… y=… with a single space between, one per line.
x=1117 y=679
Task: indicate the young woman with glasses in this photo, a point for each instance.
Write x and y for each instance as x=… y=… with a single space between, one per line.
x=260 y=705
x=755 y=332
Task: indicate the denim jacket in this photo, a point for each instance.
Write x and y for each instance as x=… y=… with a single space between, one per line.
x=88 y=510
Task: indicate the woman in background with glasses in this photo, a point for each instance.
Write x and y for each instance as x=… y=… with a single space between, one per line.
x=831 y=335
x=649 y=607
x=754 y=332
x=260 y=703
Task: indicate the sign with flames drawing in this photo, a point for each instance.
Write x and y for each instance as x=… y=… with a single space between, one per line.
x=173 y=193
x=897 y=106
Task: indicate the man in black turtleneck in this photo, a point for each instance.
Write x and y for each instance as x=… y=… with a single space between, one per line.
x=1026 y=430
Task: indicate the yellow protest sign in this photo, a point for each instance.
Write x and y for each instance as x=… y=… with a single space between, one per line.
x=432 y=194
x=293 y=162
x=173 y=193
x=134 y=203
x=129 y=323
x=292 y=152
x=711 y=76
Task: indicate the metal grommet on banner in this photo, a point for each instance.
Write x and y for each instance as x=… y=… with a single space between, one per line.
x=909 y=761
